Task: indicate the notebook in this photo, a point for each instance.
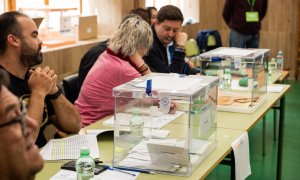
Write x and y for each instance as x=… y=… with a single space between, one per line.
x=87 y=27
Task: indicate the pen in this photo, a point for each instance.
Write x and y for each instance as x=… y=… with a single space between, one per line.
x=149 y=87
x=115 y=169
x=135 y=170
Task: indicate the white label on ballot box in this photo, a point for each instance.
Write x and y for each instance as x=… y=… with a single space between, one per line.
x=204 y=123
x=237 y=62
x=164 y=102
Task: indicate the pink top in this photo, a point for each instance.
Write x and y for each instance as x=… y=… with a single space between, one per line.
x=95 y=100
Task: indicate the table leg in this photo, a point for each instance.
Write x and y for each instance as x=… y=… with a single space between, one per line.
x=232 y=164
x=264 y=136
x=280 y=137
x=230 y=161
x=275 y=123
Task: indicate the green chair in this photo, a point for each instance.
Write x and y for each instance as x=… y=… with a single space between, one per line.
x=192 y=51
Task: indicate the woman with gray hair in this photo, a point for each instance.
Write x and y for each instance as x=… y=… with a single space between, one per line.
x=120 y=63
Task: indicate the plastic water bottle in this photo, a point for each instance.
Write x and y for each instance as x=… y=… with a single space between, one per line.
x=243 y=69
x=227 y=80
x=272 y=65
x=85 y=165
x=270 y=77
x=279 y=60
x=136 y=125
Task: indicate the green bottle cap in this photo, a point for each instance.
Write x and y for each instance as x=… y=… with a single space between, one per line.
x=227 y=71
x=136 y=111
x=199 y=100
x=84 y=151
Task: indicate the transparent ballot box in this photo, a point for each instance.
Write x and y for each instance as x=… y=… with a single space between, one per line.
x=243 y=77
x=150 y=134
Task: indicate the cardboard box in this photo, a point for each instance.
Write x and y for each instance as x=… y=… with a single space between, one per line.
x=87 y=27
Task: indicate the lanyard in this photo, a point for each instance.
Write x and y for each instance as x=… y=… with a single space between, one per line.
x=251 y=3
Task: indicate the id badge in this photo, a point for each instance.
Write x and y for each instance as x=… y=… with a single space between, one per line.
x=252 y=16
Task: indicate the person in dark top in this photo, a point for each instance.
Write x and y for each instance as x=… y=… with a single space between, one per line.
x=244 y=20
x=152 y=11
x=89 y=59
x=21 y=89
x=91 y=56
x=20 y=50
x=167 y=54
x=143 y=13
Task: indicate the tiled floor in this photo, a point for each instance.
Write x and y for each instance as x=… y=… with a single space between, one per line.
x=264 y=167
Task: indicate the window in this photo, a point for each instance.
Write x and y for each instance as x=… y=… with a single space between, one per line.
x=2 y=6
x=52 y=12
x=190 y=9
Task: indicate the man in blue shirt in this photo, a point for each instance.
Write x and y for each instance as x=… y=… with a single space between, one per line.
x=166 y=31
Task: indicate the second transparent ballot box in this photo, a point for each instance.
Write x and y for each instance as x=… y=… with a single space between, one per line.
x=165 y=123
x=243 y=77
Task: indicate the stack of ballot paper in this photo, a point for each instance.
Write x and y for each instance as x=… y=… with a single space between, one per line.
x=166 y=155
x=69 y=148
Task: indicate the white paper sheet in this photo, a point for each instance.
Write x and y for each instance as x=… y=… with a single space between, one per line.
x=274 y=89
x=156 y=133
x=168 y=154
x=234 y=52
x=158 y=122
x=242 y=158
x=199 y=146
x=64 y=174
x=106 y=175
x=171 y=83
x=69 y=148
x=96 y=132
x=115 y=175
x=139 y=156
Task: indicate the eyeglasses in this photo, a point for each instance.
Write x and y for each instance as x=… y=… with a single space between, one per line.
x=19 y=119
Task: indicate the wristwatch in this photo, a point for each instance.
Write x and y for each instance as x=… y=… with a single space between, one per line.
x=179 y=47
x=55 y=95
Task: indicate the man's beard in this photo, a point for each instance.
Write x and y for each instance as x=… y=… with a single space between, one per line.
x=29 y=57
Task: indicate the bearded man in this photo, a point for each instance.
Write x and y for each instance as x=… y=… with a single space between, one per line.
x=20 y=50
